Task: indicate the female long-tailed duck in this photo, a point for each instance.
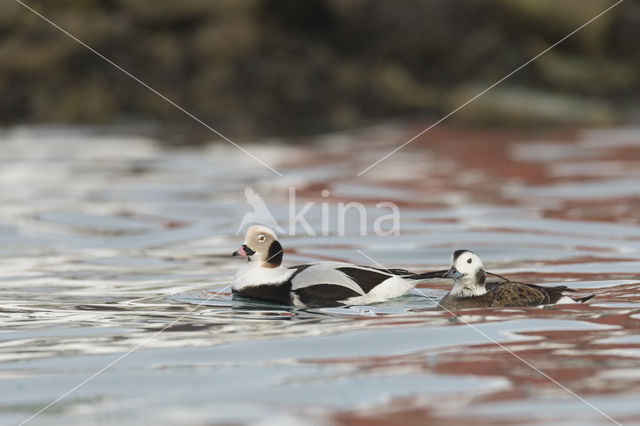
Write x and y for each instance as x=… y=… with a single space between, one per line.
x=314 y=284
x=471 y=289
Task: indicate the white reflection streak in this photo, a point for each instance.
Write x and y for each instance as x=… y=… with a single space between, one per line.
x=524 y=361
x=142 y=83
x=120 y=358
x=139 y=345
x=182 y=290
x=490 y=87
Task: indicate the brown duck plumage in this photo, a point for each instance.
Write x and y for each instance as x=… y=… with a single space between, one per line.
x=473 y=291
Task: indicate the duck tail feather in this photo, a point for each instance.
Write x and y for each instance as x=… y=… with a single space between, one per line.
x=427 y=275
x=584 y=299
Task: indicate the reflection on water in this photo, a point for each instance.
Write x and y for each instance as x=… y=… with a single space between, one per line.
x=108 y=240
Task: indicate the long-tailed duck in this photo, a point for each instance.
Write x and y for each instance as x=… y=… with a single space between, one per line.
x=314 y=284
x=471 y=289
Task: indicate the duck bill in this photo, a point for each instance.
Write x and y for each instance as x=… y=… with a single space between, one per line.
x=244 y=251
x=452 y=273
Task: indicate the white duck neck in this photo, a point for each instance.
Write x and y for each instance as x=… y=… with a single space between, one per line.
x=470 y=285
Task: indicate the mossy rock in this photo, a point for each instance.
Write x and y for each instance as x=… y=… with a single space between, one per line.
x=527 y=107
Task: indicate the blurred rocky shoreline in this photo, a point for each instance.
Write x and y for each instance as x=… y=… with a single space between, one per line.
x=261 y=67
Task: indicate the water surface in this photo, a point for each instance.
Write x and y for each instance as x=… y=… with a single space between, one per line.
x=114 y=243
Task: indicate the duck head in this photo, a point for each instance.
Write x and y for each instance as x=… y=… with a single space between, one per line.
x=467 y=270
x=261 y=245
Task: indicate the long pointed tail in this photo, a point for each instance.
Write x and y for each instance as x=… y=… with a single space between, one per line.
x=439 y=274
x=584 y=299
x=426 y=275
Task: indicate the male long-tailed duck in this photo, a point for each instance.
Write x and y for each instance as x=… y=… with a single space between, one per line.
x=314 y=284
x=471 y=289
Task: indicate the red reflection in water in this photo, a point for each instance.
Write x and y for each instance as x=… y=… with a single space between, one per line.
x=478 y=166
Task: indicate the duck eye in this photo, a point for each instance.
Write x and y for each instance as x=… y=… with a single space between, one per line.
x=469 y=260
x=261 y=238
